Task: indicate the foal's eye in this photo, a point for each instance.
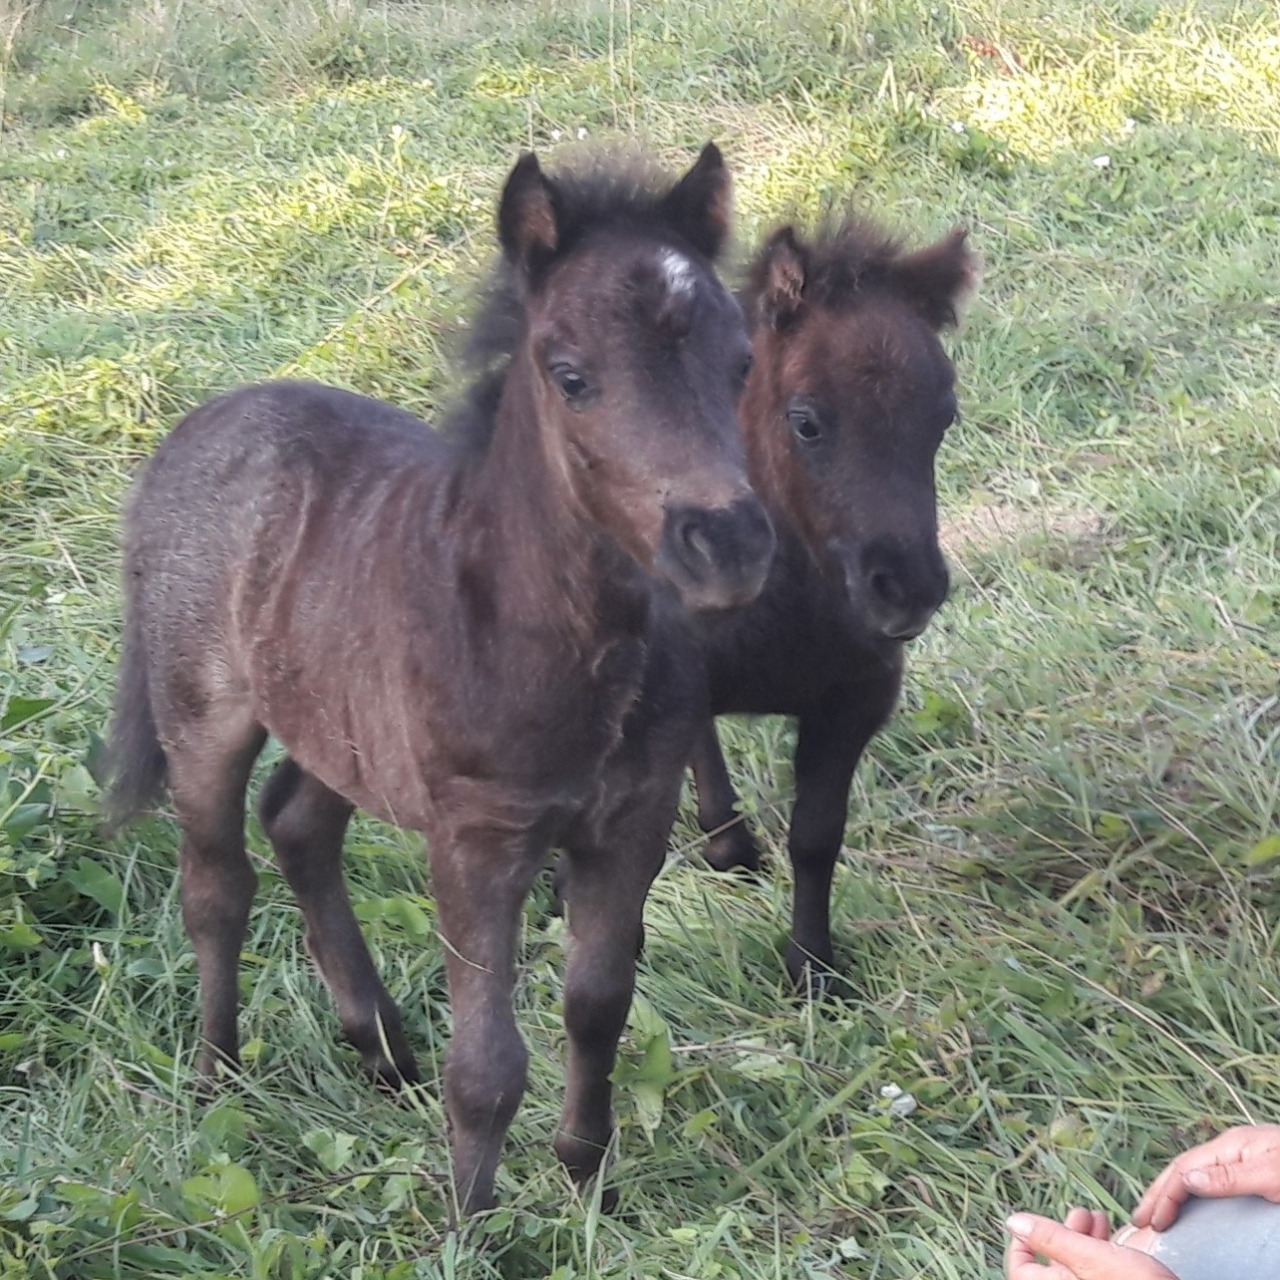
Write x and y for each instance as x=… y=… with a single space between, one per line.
x=804 y=424
x=573 y=386
x=744 y=370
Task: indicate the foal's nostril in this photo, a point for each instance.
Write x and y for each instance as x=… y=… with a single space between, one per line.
x=887 y=589
x=695 y=546
x=899 y=589
x=717 y=556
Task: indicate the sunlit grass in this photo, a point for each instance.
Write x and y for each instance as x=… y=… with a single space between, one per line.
x=1038 y=98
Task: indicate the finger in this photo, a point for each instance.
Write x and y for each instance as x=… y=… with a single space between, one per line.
x=1168 y=1182
x=1083 y=1257
x=1080 y=1220
x=1101 y=1226
x=1251 y=1177
x=1020 y=1264
x=1164 y=1212
x=1058 y=1243
x=1164 y=1199
x=1156 y=1194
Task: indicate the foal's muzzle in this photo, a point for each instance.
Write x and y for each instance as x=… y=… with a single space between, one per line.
x=900 y=589
x=717 y=557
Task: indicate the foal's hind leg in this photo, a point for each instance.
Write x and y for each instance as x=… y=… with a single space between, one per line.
x=209 y=764
x=306 y=823
x=729 y=843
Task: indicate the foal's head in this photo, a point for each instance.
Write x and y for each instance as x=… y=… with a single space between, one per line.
x=634 y=357
x=847 y=403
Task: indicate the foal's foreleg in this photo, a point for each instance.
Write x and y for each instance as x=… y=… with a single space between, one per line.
x=306 y=823
x=729 y=842
x=608 y=883
x=480 y=886
x=829 y=747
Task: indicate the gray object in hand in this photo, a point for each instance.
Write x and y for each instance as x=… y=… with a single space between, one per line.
x=1234 y=1239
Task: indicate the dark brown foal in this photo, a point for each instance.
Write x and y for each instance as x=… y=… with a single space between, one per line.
x=453 y=633
x=848 y=399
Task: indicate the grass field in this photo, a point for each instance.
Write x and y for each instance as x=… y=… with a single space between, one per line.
x=1059 y=907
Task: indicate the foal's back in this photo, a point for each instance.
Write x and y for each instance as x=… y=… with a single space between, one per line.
x=280 y=554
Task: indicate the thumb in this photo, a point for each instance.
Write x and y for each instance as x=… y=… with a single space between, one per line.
x=1248 y=1178
x=1085 y=1255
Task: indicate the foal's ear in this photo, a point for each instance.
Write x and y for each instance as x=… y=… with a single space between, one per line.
x=527 y=215
x=780 y=275
x=700 y=205
x=938 y=280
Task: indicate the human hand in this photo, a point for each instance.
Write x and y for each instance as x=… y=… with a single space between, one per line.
x=1078 y=1249
x=1244 y=1161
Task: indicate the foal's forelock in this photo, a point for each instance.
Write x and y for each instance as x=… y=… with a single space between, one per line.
x=678 y=272
x=663 y=288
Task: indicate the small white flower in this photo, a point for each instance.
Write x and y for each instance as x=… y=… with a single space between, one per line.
x=1101 y=162
x=582 y=132
x=100 y=961
x=957 y=126
x=1128 y=124
x=61 y=153
x=900 y=1104
x=397 y=132
x=557 y=134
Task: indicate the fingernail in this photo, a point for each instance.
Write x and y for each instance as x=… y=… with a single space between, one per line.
x=1123 y=1234
x=1020 y=1225
x=1199 y=1179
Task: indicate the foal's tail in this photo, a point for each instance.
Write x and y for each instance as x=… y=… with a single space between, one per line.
x=136 y=761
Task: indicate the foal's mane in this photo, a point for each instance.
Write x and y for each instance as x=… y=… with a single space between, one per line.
x=597 y=190
x=847 y=256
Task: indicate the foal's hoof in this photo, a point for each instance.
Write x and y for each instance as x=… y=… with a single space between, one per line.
x=733 y=849
x=388 y=1078
x=213 y=1070
x=608 y=1194
x=584 y=1162
x=815 y=979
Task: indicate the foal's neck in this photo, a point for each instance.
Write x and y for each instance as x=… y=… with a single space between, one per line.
x=552 y=567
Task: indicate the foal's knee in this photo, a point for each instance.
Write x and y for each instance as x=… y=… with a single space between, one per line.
x=485 y=1078
x=596 y=1003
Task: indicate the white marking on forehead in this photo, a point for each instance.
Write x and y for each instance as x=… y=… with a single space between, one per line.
x=678 y=272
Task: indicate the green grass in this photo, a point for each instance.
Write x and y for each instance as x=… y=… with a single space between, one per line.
x=1059 y=909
